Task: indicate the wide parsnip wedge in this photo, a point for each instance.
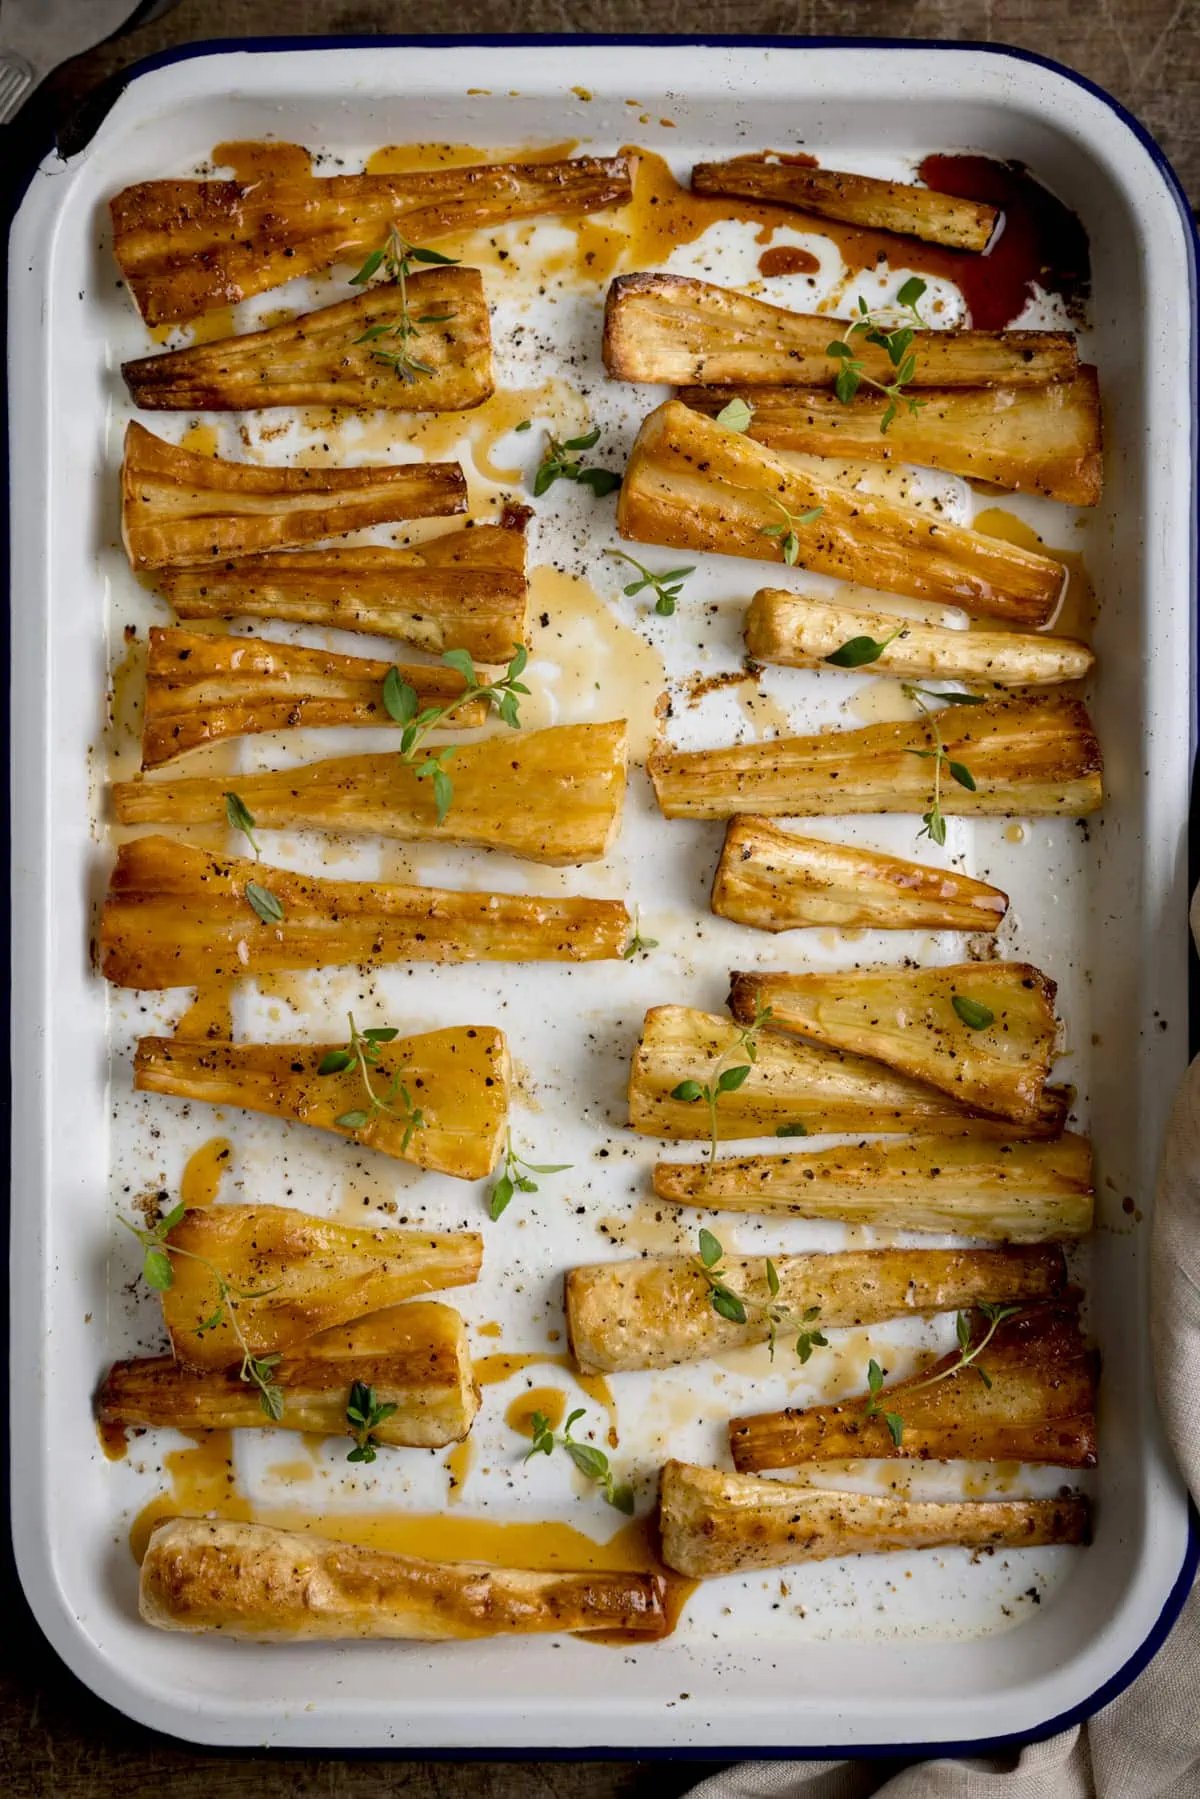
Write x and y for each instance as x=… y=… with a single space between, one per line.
x=252 y=1580
x=715 y=1523
x=981 y=1031
x=774 y=880
x=658 y=1311
x=186 y=246
x=693 y=333
x=548 y=796
x=180 y=509
x=178 y=916
x=290 y=1277
x=457 y=1079
x=466 y=590
x=803 y=632
x=416 y=1357
x=692 y=484
x=858 y=199
x=1019 y=1192
x=794 y=1088
x=1044 y=439
x=1029 y=1395
x=1036 y=757
x=204 y=686
x=329 y=358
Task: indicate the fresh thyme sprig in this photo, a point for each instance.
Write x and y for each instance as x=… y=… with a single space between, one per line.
x=589 y=1460
x=514 y=1181
x=974 y=1014
x=557 y=465
x=157 y=1271
x=261 y=900
x=264 y=903
x=239 y=817
x=402 y=704
x=968 y=1357
x=737 y=416
x=728 y=1080
x=789 y=543
x=933 y=822
x=638 y=945
x=736 y=1307
x=364 y=1414
x=363 y=1052
x=666 y=586
x=897 y=342
x=395 y=257
x=857 y=652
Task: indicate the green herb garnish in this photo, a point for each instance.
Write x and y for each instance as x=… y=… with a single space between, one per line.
x=968 y=1356
x=589 y=1460
x=789 y=543
x=240 y=818
x=933 y=822
x=857 y=652
x=557 y=465
x=976 y=1016
x=727 y=1080
x=638 y=945
x=736 y=1307
x=396 y=257
x=666 y=586
x=736 y=416
x=514 y=1181
x=363 y=1052
x=364 y=1414
x=897 y=342
x=264 y=903
x=402 y=704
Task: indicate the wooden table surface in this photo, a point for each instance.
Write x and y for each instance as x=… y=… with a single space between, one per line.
x=56 y=1740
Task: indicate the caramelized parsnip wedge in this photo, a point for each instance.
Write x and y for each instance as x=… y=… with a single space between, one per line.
x=250 y=1580
x=416 y=1357
x=774 y=880
x=293 y=1277
x=858 y=199
x=715 y=1523
x=692 y=484
x=458 y=1078
x=178 y=916
x=321 y=358
x=178 y=508
x=658 y=1311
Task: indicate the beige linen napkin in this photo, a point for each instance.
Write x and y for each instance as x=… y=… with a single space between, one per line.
x=1146 y=1744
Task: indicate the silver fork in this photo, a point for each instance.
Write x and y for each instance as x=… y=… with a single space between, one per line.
x=37 y=35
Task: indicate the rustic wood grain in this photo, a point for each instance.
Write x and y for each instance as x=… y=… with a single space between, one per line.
x=56 y=1740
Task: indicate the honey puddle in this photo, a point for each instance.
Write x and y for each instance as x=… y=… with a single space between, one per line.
x=457 y=1463
x=202 y=1174
x=210 y=1014
x=1076 y=615
x=881 y=701
x=251 y=160
x=490 y=1370
x=549 y=1402
x=401 y=159
x=200 y=439
x=605 y=669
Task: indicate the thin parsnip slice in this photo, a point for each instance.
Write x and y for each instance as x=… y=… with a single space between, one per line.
x=716 y=1523
x=983 y=1032
x=800 y=631
x=1019 y=1192
x=693 y=333
x=1026 y=757
x=291 y=1277
x=1045 y=440
x=794 y=1088
x=416 y=1357
x=658 y=1311
x=548 y=796
x=458 y=1078
x=1028 y=1396
x=204 y=686
x=327 y=358
x=774 y=880
x=466 y=590
x=186 y=246
x=177 y=916
x=692 y=484
x=180 y=509
x=863 y=200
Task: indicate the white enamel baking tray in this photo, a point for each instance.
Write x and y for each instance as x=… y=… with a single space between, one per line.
x=902 y=1650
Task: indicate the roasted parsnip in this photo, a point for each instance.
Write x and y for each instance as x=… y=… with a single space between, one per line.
x=716 y=1523
x=294 y=1277
x=692 y=484
x=774 y=880
x=466 y=590
x=804 y=632
x=416 y=1357
x=458 y=1079
x=251 y=1580
x=1012 y=1192
x=186 y=246
x=1027 y=758
x=202 y=687
x=178 y=508
x=674 y=328
x=858 y=199
x=1029 y=1396
x=177 y=916
x=981 y=1031
x=327 y=358
x=791 y=1084
x=548 y=796
x=1044 y=439
x=657 y=1311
